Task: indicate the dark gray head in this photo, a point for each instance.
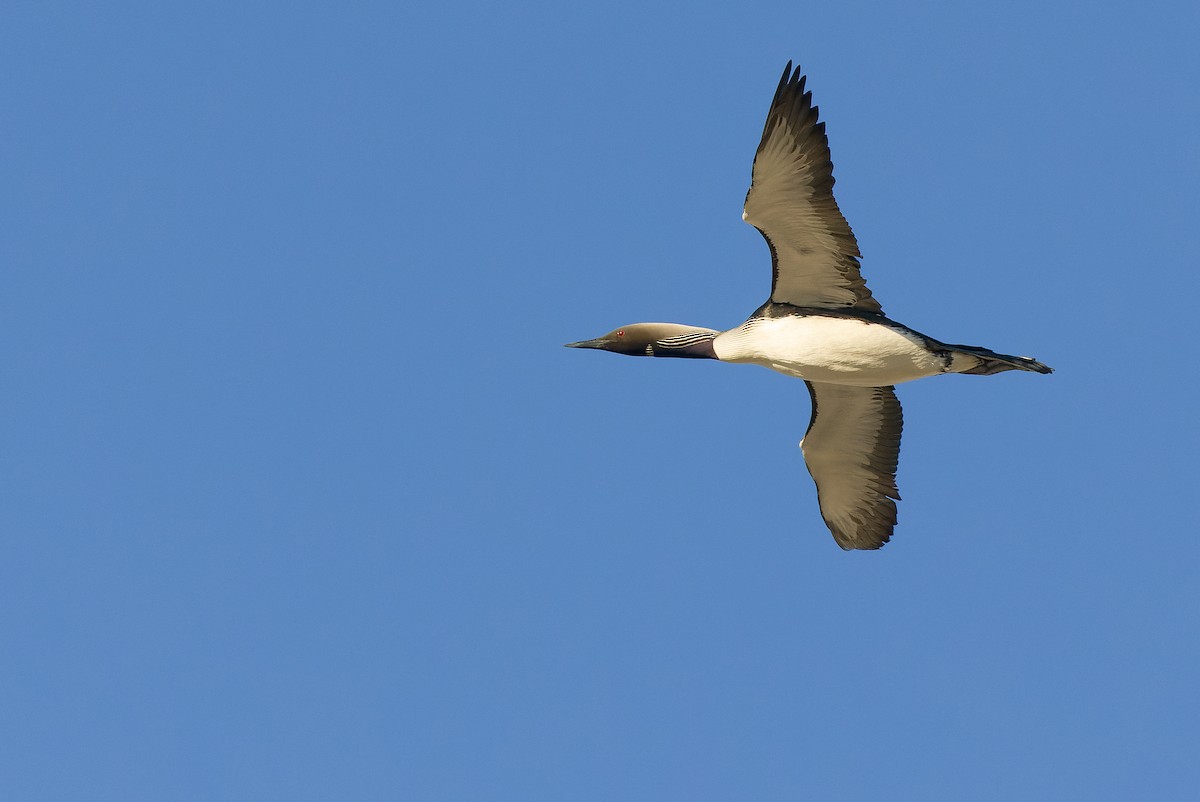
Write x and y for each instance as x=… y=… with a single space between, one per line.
x=655 y=339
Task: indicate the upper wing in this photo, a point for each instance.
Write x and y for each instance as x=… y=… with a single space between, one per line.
x=851 y=448
x=814 y=255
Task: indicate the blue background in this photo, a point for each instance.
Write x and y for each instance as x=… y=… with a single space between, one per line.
x=303 y=499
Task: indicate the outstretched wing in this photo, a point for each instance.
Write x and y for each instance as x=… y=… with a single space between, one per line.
x=851 y=448
x=814 y=254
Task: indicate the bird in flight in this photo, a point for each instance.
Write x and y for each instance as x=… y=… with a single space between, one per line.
x=821 y=324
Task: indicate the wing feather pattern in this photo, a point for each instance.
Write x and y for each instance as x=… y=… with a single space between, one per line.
x=852 y=447
x=814 y=255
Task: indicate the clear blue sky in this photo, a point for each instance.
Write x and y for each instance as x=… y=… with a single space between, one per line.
x=303 y=499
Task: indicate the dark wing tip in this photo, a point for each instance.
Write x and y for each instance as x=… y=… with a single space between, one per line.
x=867 y=538
x=791 y=88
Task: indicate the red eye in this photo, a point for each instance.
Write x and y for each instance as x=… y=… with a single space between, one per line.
x=621 y=333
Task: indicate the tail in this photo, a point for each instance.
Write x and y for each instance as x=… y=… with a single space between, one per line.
x=982 y=362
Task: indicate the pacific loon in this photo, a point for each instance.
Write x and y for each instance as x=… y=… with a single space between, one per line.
x=821 y=324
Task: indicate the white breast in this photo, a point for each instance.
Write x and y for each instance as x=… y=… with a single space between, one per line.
x=830 y=349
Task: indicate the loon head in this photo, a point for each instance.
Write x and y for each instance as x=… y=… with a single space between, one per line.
x=654 y=339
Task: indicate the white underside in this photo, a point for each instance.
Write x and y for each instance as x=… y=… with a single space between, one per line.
x=830 y=349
